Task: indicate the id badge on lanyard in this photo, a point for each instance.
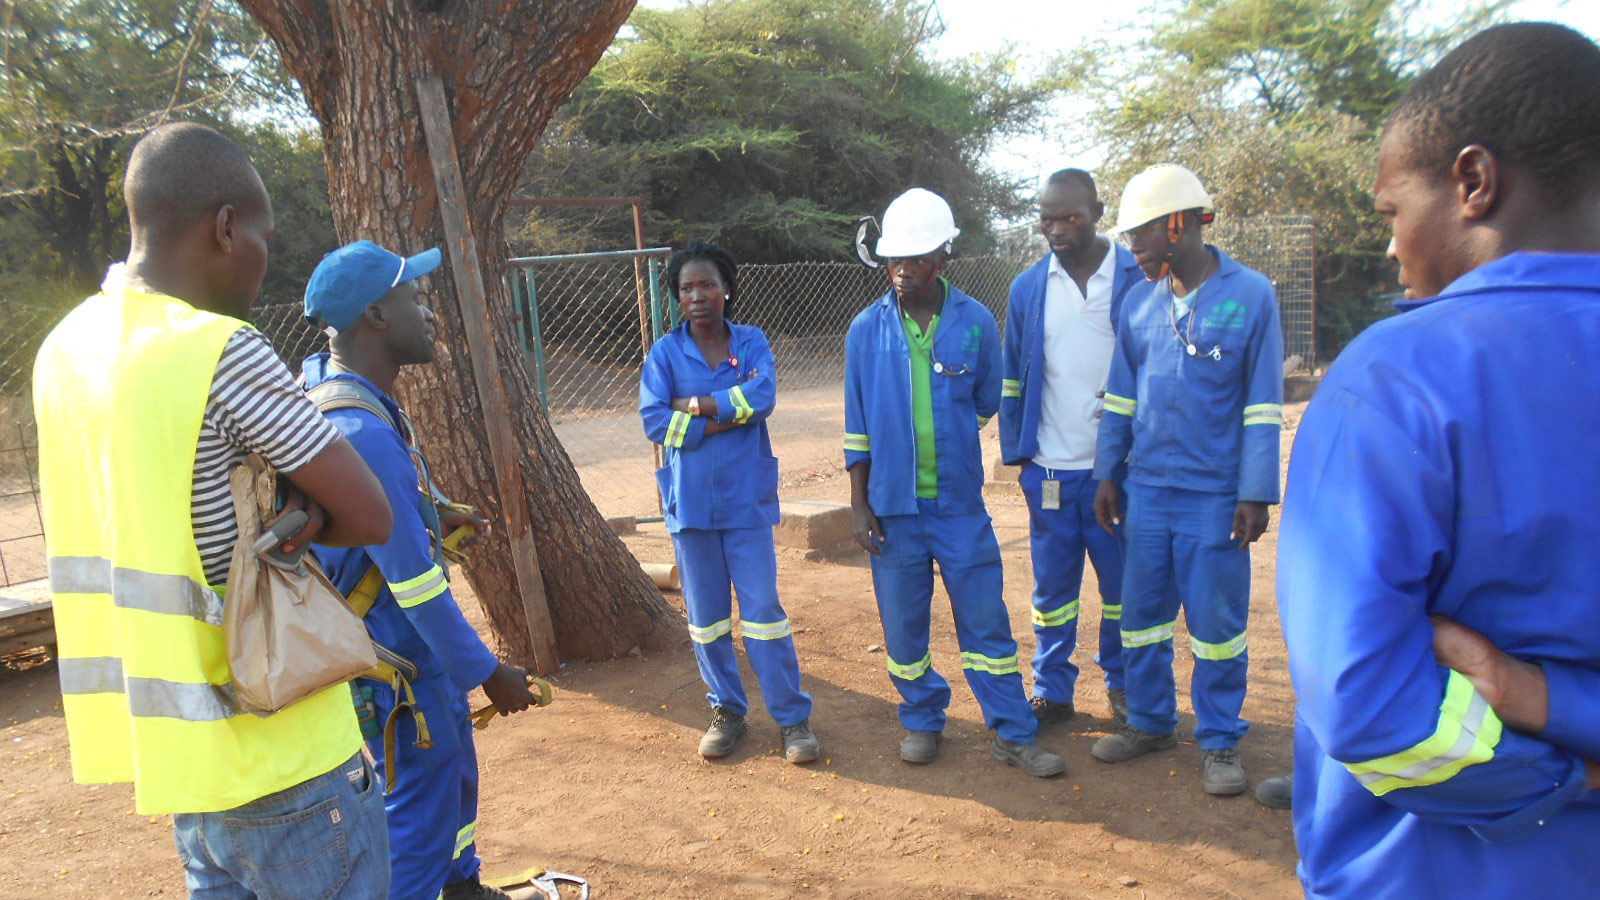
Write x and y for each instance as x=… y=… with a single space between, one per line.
x=1050 y=494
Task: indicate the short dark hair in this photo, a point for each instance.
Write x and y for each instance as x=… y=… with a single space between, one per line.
x=700 y=250
x=1067 y=176
x=184 y=172
x=1529 y=91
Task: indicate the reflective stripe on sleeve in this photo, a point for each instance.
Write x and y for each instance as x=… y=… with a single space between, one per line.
x=982 y=421
x=1010 y=387
x=977 y=662
x=466 y=837
x=1264 y=414
x=677 y=428
x=765 y=631
x=742 y=410
x=914 y=670
x=859 y=442
x=419 y=590
x=1147 y=636
x=1467 y=733
x=1226 y=650
x=1059 y=616
x=1120 y=405
x=709 y=633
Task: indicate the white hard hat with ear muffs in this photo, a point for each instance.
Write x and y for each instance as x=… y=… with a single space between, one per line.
x=916 y=223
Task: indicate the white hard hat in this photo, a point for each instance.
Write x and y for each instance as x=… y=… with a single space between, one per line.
x=1161 y=191
x=917 y=222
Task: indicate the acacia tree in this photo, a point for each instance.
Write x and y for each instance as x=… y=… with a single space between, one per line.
x=506 y=66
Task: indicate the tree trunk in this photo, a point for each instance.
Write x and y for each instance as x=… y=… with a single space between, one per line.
x=506 y=67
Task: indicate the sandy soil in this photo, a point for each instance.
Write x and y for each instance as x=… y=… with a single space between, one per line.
x=605 y=782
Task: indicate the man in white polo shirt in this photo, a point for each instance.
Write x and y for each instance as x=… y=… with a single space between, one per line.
x=1060 y=332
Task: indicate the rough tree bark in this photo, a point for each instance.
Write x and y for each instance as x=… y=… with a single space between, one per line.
x=506 y=66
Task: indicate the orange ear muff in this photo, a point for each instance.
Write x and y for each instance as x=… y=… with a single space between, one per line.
x=1173 y=221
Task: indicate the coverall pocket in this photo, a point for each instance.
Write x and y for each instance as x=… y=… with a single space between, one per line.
x=669 y=503
x=303 y=855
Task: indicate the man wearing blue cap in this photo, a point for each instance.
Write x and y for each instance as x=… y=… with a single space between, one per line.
x=368 y=300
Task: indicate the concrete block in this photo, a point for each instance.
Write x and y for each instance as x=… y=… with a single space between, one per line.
x=623 y=524
x=812 y=524
x=1300 y=387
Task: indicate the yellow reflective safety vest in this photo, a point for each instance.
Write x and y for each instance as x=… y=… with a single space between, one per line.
x=120 y=389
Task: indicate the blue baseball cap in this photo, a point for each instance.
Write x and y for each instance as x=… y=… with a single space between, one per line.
x=357 y=275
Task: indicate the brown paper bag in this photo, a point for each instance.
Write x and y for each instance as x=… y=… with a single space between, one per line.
x=289 y=632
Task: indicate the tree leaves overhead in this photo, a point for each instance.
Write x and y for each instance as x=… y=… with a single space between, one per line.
x=770 y=125
x=1278 y=105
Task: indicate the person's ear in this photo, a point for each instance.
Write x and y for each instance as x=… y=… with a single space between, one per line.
x=1096 y=211
x=1477 y=177
x=374 y=316
x=222 y=226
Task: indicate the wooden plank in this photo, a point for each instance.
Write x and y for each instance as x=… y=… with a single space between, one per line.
x=28 y=641
x=498 y=416
x=37 y=620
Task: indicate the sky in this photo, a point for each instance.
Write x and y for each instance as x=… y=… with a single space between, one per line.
x=1040 y=28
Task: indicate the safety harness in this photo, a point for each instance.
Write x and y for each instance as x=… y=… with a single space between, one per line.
x=393 y=669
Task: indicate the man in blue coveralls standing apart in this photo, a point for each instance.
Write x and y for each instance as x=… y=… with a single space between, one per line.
x=368 y=298
x=1194 y=403
x=1060 y=332
x=1438 y=562
x=922 y=376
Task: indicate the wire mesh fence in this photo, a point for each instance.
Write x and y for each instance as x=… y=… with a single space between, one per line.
x=583 y=318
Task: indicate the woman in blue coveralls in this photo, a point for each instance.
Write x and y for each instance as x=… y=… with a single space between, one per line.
x=705 y=394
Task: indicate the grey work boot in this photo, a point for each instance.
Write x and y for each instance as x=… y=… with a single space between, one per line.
x=800 y=744
x=1277 y=793
x=919 y=747
x=1119 y=705
x=1030 y=758
x=1221 y=773
x=725 y=730
x=1049 y=712
x=1129 y=743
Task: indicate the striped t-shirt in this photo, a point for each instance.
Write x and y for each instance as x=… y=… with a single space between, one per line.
x=254 y=407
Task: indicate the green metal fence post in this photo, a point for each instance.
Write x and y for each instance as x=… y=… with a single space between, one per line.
x=537 y=340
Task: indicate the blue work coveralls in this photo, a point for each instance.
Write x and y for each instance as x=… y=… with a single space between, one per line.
x=1200 y=435
x=952 y=529
x=1059 y=537
x=1447 y=466
x=720 y=494
x=433 y=809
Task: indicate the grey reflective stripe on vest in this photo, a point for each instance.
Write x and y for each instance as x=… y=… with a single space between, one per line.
x=172 y=595
x=147 y=697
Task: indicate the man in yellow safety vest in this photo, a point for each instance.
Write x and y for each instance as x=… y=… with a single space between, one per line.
x=147 y=395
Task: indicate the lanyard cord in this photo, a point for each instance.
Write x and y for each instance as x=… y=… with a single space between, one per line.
x=1194 y=311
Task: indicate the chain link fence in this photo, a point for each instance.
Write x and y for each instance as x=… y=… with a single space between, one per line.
x=583 y=317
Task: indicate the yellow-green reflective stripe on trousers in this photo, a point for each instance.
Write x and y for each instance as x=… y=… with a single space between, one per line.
x=1147 y=636
x=465 y=837
x=1059 y=616
x=147 y=697
x=764 y=631
x=980 y=663
x=1010 y=387
x=857 y=442
x=709 y=633
x=914 y=670
x=170 y=595
x=1226 y=650
x=1467 y=733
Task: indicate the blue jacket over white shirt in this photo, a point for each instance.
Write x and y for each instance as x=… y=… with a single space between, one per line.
x=1196 y=422
x=730 y=479
x=1447 y=466
x=415 y=614
x=1022 y=386
x=877 y=403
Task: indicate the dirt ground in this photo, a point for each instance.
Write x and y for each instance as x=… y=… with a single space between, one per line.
x=606 y=783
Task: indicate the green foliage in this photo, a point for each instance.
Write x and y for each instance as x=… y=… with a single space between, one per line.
x=768 y=126
x=1278 y=105
x=81 y=80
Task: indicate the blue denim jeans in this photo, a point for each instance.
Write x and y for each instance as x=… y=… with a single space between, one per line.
x=323 y=839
